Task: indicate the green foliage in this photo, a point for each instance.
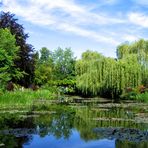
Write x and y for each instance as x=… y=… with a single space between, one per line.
x=25 y=62
x=98 y=75
x=129 y=95
x=64 y=63
x=89 y=55
x=46 y=55
x=64 y=82
x=24 y=97
x=55 y=68
x=93 y=74
x=65 y=86
x=142 y=97
x=139 y=93
x=138 y=49
x=8 y=53
x=86 y=70
x=122 y=50
x=43 y=68
x=43 y=73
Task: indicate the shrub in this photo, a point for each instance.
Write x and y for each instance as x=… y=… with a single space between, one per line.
x=129 y=95
x=142 y=97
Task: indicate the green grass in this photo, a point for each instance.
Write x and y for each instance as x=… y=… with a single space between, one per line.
x=142 y=97
x=23 y=98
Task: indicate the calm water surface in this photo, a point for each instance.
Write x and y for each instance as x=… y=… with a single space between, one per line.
x=74 y=127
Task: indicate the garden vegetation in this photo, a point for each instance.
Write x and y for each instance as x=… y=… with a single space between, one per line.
x=58 y=71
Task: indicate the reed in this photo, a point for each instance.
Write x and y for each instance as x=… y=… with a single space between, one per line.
x=23 y=98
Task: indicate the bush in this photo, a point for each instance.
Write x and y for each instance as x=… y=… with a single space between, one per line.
x=140 y=93
x=67 y=89
x=64 y=82
x=129 y=95
x=142 y=97
x=65 y=86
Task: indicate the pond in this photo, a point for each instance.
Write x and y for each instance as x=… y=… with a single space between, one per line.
x=75 y=126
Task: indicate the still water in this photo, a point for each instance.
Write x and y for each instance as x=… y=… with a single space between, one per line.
x=59 y=126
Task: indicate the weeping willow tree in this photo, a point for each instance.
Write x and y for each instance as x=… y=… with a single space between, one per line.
x=98 y=75
x=89 y=75
x=139 y=49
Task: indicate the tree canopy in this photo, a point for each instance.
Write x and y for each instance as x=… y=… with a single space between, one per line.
x=93 y=74
x=99 y=75
x=8 y=53
x=25 y=61
x=54 y=65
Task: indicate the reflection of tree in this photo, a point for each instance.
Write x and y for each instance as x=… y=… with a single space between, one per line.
x=14 y=142
x=59 y=124
x=127 y=144
x=42 y=124
x=86 y=119
x=14 y=121
x=83 y=123
x=9 y=121
x=62 y=124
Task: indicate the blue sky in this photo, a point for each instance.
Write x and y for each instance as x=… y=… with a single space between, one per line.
x=99 y=25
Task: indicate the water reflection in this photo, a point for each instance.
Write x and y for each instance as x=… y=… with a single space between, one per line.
x=72 y=127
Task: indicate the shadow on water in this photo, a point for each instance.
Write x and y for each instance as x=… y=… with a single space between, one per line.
x=73 y=126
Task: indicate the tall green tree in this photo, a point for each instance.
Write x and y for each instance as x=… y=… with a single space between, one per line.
x=8 y=53
x=64 y=63
x=25 y=61
x=46 y=55
x=44 y=67
x=140 y=50
x=98 y=75
x=123 y=50
x=55 y=66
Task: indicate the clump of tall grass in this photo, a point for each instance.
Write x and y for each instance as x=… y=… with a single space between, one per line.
x=142 y=97
x=23 y=98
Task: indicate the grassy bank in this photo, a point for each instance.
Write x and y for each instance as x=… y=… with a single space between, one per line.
x=27 y=97
x=24 y=98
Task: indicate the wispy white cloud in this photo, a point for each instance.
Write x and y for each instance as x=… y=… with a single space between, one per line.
x=87 y=33
x=64 y=15
x=139 y=19
x=80 y=19
x=130 y=38
x=30 y=13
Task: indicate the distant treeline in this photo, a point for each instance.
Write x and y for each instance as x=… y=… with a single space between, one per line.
x=93 y=74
